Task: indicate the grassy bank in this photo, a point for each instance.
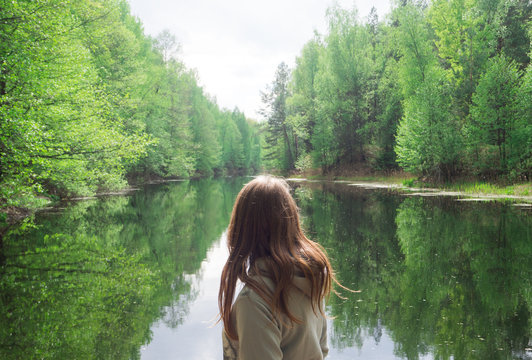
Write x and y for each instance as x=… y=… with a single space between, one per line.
x=486 y=188
x=468 y=187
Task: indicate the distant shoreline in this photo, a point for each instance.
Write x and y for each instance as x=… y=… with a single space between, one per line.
x=468 y=189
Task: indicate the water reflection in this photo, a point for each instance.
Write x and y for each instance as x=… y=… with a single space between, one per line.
x=90 y=281
x=444 y=279
x=197 y=338
x=473 y=266
x=137 y=277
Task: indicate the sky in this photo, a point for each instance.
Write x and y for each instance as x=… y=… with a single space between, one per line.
x=236 y=45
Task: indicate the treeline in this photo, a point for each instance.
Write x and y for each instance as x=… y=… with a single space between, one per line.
x=442 y=89
x=86 y=99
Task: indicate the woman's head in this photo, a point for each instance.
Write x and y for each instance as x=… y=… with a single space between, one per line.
x=265 y=221
x=265 y=224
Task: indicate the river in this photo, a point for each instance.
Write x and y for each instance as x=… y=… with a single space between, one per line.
x=136 y=277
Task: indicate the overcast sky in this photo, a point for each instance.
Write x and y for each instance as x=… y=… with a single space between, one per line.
x=236 y=45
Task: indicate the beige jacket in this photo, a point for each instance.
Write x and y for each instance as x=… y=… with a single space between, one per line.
x=265 y=337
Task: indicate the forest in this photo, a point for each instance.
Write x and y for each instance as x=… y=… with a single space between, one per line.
x=88 y=101
x=92 y=105
x=441 y=89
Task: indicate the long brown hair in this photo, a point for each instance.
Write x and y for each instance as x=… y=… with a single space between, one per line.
x=265 y=224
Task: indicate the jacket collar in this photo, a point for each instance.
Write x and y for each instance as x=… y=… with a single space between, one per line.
x=299 y=280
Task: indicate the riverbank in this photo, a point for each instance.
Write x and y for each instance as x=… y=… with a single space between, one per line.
x=408 y=183
x=12 y=212
x=397 y=181
x=10 y=215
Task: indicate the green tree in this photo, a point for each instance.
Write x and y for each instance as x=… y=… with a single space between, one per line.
x=302 y=107
x=524 y=109
x=59 y=129
x=428 y=140
x=465 y=33
x=514 y=39
x=341 y=85
x=497 y=134
x=256 y=147
x=202 y=116
x=87 y=98
x=383 y=95
x=246 y=132
x=164 y=108
x=282 y=144
x=232 y=147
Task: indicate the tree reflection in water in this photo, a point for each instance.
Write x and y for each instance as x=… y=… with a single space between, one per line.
x=444 y=279
x=88 y=282
x=440 y=279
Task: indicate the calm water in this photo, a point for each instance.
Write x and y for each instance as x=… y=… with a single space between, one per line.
x=136 y=277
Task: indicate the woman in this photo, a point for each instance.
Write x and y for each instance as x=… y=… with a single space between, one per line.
x=279 y=312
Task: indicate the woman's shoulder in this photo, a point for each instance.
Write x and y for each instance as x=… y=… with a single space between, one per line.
x=251 y=292
x=250 y=305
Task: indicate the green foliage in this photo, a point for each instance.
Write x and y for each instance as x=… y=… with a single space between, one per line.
x=58 y=126
x=383 y=99
x=427 y=137
x=165 y=114
x=281 y=139
x=240 y=138
x=409 y=182
x=340 y=85
x=302 y=103
x=465 y=37
x=514 y=31
x=86 y=98
x=407 y=91
x=524 y=109
x=497 y=132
